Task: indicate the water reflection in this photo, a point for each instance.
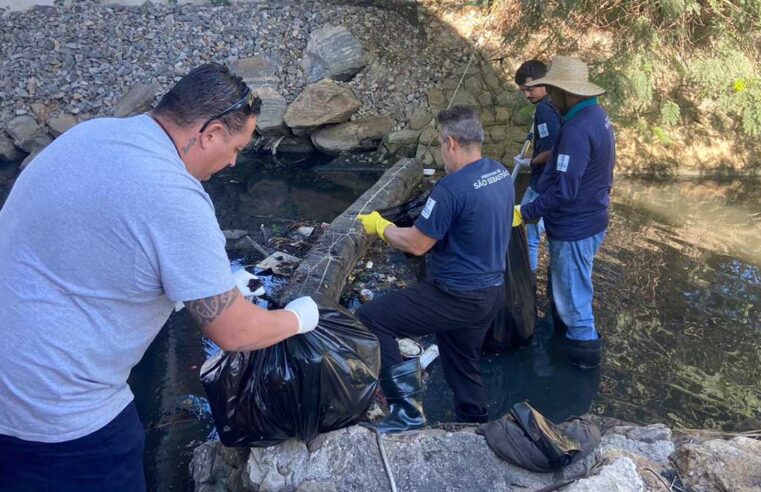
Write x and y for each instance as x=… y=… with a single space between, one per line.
x=677 y=299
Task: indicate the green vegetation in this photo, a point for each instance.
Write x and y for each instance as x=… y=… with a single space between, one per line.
x=665 y=63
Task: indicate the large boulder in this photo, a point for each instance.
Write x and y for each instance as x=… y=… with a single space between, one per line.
x=138 y=99
x=332 y=52
x=720 y=466
x=320 y=104
x=8 y=150
x=270 y=120
x=27 y=134
x=362 y=134
x=257 y=71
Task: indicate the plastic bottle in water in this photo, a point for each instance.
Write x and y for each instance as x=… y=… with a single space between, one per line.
x=429 y=355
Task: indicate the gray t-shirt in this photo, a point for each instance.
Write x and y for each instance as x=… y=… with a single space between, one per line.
x=101 y=235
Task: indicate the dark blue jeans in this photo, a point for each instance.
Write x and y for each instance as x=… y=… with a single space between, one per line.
x=108 y=459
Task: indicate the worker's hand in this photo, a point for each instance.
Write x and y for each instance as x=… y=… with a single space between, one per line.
x=306 y=311
x=374 y=224
x=517 y=217
x=522 y=161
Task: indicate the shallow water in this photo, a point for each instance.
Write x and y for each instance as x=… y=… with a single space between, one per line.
x=678 y=301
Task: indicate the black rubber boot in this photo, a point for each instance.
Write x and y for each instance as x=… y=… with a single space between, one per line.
x=585 y=354
x=470 y=414
x=403 y=387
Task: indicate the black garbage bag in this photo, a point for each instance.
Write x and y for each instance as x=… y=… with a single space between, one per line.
x=514 y=324
x=525 y=438
x=311 y=383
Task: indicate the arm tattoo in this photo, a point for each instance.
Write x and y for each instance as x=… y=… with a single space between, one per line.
x=205 y=311
x=191 y=142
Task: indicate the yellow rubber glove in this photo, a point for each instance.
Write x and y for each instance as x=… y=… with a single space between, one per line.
x=517 y=217
x=374 y=224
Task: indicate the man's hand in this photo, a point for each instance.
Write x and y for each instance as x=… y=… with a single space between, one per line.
x=522 y=161
x=306 y=311
x=517 y=217
x=374 y=224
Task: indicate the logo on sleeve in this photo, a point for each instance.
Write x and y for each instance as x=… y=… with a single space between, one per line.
x=428 y=207
x=543 y=132
x=562 y=165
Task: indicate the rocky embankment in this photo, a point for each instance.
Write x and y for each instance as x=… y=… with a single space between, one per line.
x=339 y=78
x=629 y=458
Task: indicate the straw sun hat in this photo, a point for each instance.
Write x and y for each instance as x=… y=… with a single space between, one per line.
x=571 y=75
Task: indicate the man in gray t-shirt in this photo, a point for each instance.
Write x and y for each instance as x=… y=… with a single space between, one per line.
x=105 y=231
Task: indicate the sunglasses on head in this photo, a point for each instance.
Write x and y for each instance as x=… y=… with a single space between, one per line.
x=249 y=100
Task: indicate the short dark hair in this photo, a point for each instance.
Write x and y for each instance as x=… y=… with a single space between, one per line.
x=532 y=68
x=204 y=93
x=462 y=124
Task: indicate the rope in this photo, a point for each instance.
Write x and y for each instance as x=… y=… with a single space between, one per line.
x=384 y=458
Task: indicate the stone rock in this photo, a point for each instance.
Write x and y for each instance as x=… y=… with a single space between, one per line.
x=462 y=97
x=652 y=442
x=60 y=124
x=499 y=134
x=320 y=104
x=404 y=137
x=29 y=159
x=473 y=84
x=257 y=71
x=429 y=137
x=402 y=143
x=217 y=467
x=270 y=120
x=502 y=115
x=436 y=100
x=363 y=134
x=485 y=99
x=721 y=466
x=9 y=151
x=138 y=99
x=420 y=118
x=23 y=129
x=487 y=117
x=41 y=111
x=492 y=79
x=516 y=135
x=618 y=476
x=332 y=52
x=295 y=145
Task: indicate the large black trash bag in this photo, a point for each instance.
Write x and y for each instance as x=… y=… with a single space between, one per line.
x=515 y=322
x=311 y=383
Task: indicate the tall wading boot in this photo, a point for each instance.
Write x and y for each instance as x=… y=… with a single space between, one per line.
x=471 y=414
x=585 y=354
x=403 y=388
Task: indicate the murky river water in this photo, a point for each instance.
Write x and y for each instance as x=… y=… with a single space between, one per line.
x=678 y=300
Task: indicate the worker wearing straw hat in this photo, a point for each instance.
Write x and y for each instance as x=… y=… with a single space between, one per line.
x=574 y=197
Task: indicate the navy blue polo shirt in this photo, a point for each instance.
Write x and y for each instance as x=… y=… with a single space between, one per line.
x=574 y=189
x=469 y=213
x=546 y=128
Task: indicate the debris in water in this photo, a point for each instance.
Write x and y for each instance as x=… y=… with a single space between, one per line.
x=279 y=263
x=366 y=295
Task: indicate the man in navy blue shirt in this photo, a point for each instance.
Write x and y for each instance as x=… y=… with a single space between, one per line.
x=465 y=226
x=574 y=197
x=545 y=130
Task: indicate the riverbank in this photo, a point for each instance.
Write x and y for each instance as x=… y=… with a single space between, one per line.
x=629 y=458
x=392 y=67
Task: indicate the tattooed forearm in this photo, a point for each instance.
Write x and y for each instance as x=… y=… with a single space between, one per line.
x=208 y=309
x=191 y=142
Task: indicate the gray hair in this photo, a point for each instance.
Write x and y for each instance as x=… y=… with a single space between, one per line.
x=462 y=124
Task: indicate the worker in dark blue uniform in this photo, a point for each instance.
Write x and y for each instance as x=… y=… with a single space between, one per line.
x=574 y=197
x=465 y=229
x=545 y=130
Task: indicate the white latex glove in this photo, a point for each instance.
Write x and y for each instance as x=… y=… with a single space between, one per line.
x=522 y=161
x=242 y=278
x=306 y=311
